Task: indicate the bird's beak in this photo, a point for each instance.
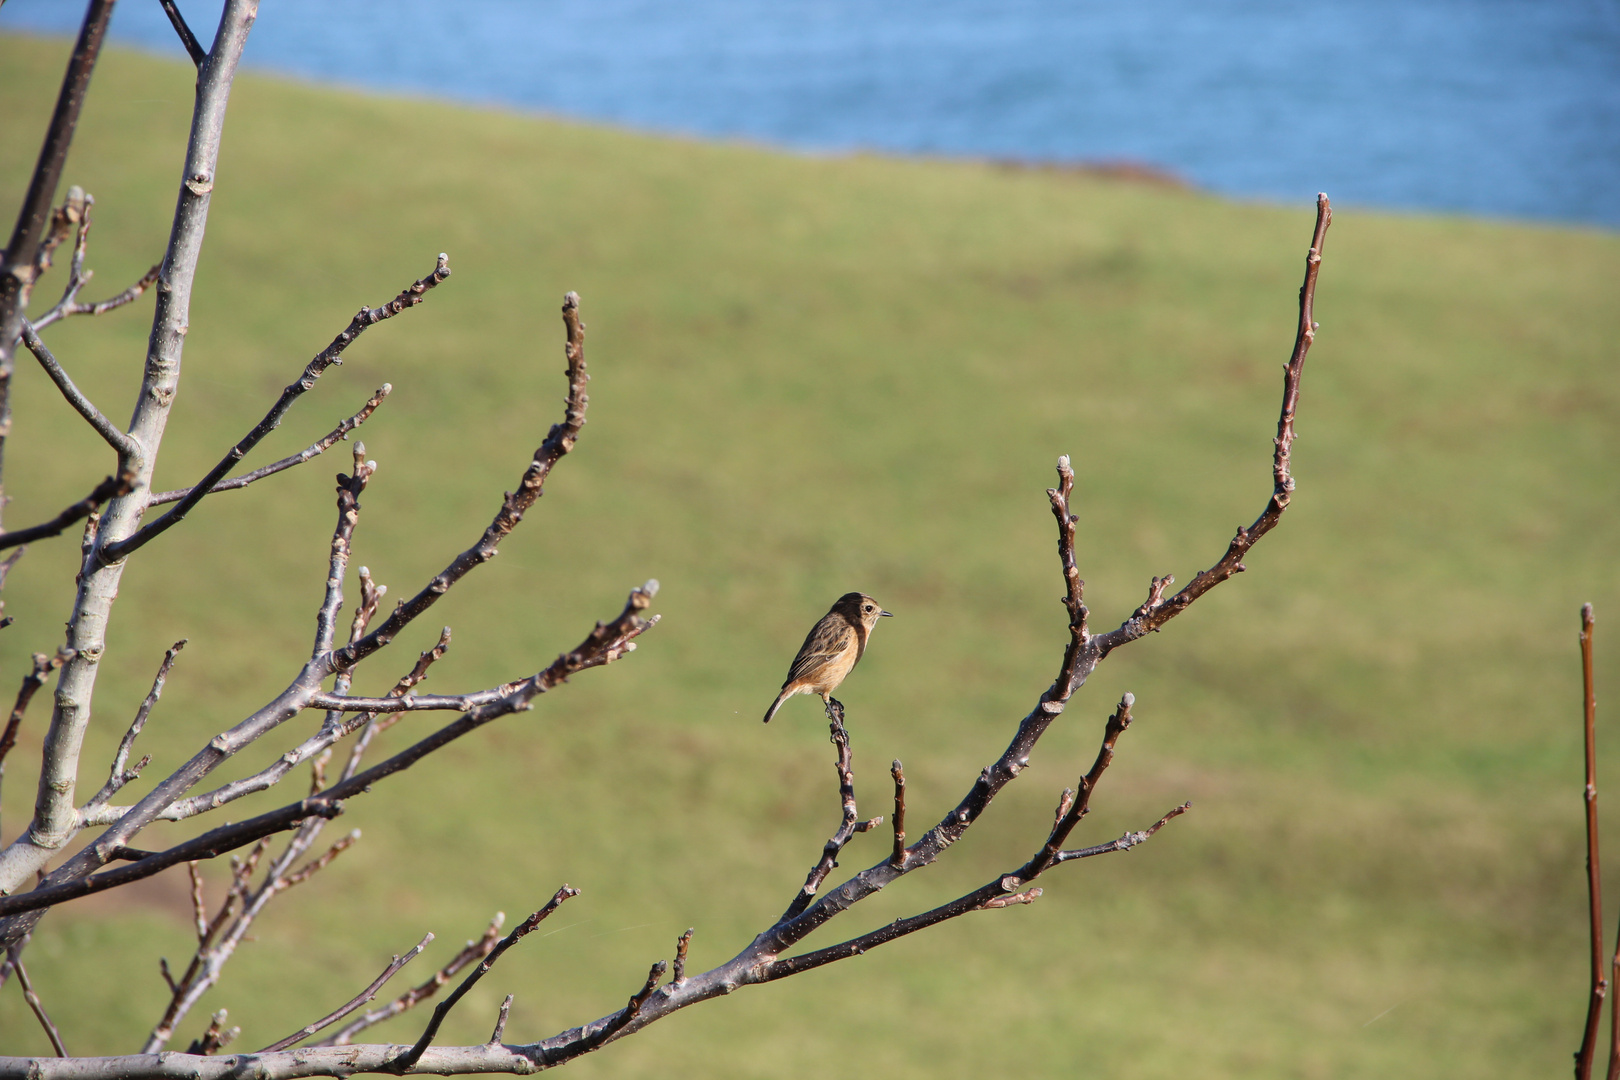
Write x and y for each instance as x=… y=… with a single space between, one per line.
x=889 y=614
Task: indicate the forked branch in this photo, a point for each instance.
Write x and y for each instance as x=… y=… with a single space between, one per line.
x=410 y=297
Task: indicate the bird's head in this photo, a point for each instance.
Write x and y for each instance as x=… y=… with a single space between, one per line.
x=860 y=609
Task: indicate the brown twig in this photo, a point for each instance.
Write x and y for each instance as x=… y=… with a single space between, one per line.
x=410 y=297
x=193 y=49
x=405 y=1061
x=349 y=490
x=5 y=568
x=100 y=307
x=76 y=210
x=558 y=442
x=118 y=776
x=110 y=488
x=1157 y=611
x=199 y=909
x=474 y=950
x=678 y=970
x=14 y=961
x=500 y=1022
x=1076 y=804
x=215 y=1038
x=1006 y=891
x=1594 y=884
x=851 y=822
x=897 y=771
x=19 y=263
x=358 y=1000
x=313 y=450
x=1125 y=842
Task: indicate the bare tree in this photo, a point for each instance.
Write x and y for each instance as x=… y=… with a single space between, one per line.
x=118 y=523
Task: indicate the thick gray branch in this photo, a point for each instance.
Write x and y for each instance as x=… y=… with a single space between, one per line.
x=55 y=816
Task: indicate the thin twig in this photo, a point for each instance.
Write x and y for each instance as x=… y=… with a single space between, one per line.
x=349 y=490
x=118 y=776
x=678 y=970
x=898 y=771
x=76 y=209
x=559 y=441
x=199 y=910
x=1125 y=842
x=187 y=38
x=500 y=1022
x=5 y=568
x=403 y=1063
x=1006 y=891
x=42 y=667
x=313 y=450
x=410 y=297
x=848 y=826
x=100 y=307
x=330 y=732
x=19 y=268
x=1152 y=615
x=1594 y=884
x=360 y=999
x=216 y=1037
x=34 y=1003
x=474 y=950
x=110 y=488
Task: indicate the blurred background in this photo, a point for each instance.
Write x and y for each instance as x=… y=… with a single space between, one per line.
x=1497 y=107
x=855 y=277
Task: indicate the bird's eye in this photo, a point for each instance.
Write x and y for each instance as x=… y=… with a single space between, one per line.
x=868 y=607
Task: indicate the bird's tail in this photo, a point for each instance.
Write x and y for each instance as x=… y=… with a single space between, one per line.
x=777 y=704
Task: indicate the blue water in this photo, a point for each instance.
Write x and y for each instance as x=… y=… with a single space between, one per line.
x=1496 y=107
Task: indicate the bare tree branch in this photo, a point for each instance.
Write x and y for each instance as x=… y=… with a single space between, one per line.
x=215 y=1037
x=678 y=969
x=410 y=297
x=14 y=962
x=851 y=823
x=559 y=441
x=474 y=950
x=76 y=210
x=898 y=772
x=404 y=1063
x=500 y=1021
x=55 y=813
x=313 y=450
x=31 y=683
x=360 y=999
x=349 y=489
x=5 y=569
x=18 y=265
x=119 y=776
x=292 y=700
x=1157 y=611
x=110 y=488
x=1594 y=884
x=602 y=646
x=189 y=40
x=1125 y=842
x=100 y=307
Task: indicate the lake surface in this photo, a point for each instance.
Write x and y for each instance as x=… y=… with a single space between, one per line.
x=1494 y=107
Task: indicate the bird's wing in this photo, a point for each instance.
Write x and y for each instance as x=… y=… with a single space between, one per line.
x=822 y=645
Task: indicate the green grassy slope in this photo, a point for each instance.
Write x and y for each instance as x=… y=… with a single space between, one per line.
x=820 y=374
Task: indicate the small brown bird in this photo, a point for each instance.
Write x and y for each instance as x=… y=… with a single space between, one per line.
x=832 y=649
